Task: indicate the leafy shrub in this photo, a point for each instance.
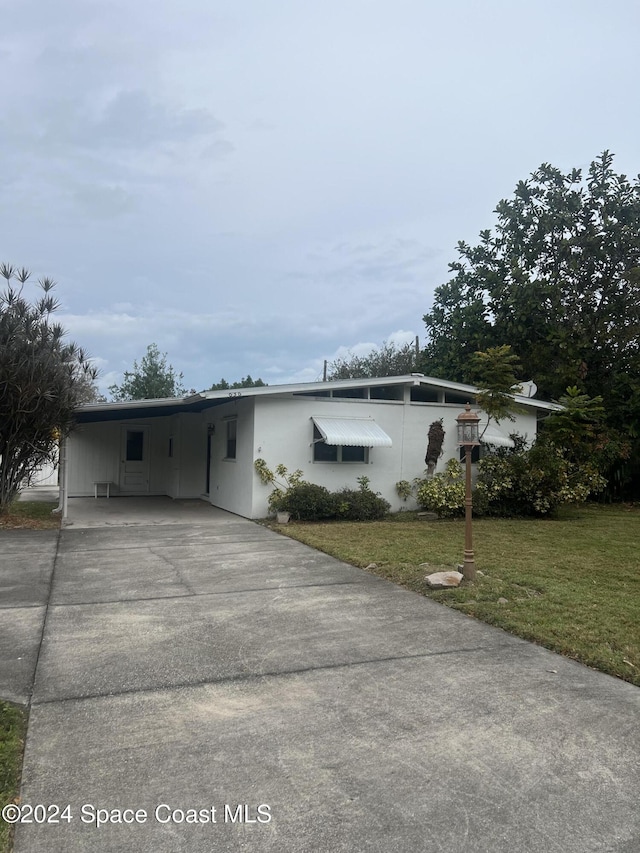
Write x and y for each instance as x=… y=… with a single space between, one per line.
x=444 y=493
x=534 y=481
x=360 y=505
x=404 y=489
x=309 y=502
x=277 y=498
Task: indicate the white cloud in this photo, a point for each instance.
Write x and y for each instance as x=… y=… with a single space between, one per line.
x=257 y=187
x=400 y=337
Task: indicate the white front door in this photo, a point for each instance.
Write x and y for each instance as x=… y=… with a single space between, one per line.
x=134 y=460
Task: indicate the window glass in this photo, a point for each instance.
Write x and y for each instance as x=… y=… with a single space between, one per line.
x=424 y=394
x=336 y=453
x=351 y=393
x=135 y=445
x=459 y=397
x=353 y=454
x=325 y=452
x=231 y=439
x=475 y=453
x=386 y=392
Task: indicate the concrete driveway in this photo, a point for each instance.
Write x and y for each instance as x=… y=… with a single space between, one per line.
x=211 y=685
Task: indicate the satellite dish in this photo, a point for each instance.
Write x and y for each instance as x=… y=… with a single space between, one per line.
x=528 y=389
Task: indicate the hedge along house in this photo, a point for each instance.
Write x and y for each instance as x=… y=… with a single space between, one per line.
x=205 y=445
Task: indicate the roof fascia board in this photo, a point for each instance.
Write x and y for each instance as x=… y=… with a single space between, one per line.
x=297 y=387
x=217 y=397
x=129 y=404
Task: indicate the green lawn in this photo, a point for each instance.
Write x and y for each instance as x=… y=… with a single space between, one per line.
x=13 y=723
x=572 y=584
x=34 y=515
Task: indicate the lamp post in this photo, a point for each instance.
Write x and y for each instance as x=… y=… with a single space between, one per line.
x=468 y=437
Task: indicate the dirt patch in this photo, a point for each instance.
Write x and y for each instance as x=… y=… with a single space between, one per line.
x=18 y=522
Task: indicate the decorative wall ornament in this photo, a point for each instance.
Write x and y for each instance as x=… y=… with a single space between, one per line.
x=434 y=447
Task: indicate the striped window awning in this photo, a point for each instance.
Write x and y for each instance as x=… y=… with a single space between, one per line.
x=353 y=432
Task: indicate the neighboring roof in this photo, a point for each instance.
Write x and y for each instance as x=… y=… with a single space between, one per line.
x=205 y=399
x=356 y=432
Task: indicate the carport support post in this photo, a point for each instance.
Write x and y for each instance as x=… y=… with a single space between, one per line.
x=63 y=479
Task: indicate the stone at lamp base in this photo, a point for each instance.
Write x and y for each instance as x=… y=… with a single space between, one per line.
x=444 y=580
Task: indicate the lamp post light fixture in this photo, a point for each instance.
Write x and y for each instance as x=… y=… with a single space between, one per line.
x=468 y=437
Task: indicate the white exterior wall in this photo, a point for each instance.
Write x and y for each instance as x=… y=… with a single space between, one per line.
x=186 y=476
x=159 y=454
x=46 y=475
x=277 y=428
x=95 y=451
x=231 y=480
x=284 y=433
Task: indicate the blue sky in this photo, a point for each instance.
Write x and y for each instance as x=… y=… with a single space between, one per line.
x=259 y=186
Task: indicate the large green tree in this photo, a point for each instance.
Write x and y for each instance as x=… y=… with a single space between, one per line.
x=43 y=377
x=150 y=380
x=494 y=373
x=558 y=280
x=389 y=359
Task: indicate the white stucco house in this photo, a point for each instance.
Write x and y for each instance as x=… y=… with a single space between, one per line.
x=204 y=446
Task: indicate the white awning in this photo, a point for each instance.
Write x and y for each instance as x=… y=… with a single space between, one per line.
x=353 y=432
x=494 y=436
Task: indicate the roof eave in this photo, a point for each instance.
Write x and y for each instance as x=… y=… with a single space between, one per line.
x=202 y=397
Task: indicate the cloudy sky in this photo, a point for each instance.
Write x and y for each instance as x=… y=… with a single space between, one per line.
x=257 y=186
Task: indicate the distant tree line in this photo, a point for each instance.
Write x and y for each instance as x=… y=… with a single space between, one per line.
x=246 y=382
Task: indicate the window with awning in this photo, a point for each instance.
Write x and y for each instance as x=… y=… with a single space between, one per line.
x=346 y=439
x=493 y=435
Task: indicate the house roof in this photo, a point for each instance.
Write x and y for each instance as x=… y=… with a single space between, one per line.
x=95 y=412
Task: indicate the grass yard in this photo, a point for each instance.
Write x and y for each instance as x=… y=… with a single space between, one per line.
x=13 y=724
x=32 y=515
x=572 y=584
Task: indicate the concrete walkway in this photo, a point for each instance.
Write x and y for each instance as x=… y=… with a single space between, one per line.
x=205 y=662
